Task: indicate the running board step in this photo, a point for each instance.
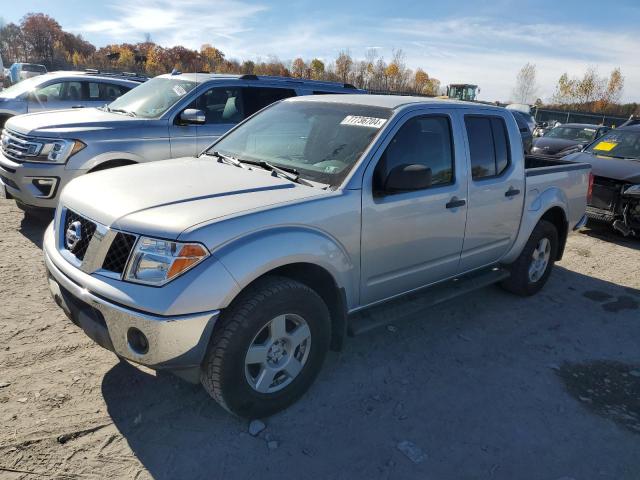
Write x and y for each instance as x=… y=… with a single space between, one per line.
x=414 y=304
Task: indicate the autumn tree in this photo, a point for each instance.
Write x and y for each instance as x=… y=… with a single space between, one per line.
x=565 y=89
x=40 y=32
x=432 y=87
x=613 y=91
x=317 y=69
x=211 y=57
x=420 y=80
x=248 y=67
x=12 y=44
x=344 y=62
x=526 y=87
x=298 y=68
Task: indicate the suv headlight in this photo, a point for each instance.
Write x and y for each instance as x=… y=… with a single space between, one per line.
x=59 y=151
x=156 y=262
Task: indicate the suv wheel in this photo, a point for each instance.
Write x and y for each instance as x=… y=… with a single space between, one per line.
x=532 y=268
x=268 y=348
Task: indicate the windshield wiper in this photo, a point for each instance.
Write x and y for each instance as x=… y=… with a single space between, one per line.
x=283 y=172
x=225 y=159
x=120 y=110
x=288 y=173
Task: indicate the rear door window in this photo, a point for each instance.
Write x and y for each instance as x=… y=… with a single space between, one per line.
x=256 y=98
x=488 y=145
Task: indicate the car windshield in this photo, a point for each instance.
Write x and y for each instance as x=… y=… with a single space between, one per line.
x=320 y=141
x=153 y=98
x=29 y=67
x=22 y=87
x=618 y=143
x=579 y=134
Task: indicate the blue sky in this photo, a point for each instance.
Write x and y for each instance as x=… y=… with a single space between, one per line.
x=459 y=41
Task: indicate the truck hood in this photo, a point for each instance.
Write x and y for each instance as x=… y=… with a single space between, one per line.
x=62 y=123
x=625 y=170
x=164 y=198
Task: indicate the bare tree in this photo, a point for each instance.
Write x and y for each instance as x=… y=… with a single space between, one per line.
x=526 y=84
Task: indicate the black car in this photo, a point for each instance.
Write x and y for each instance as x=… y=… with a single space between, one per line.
x=525 y=130
x=568 y=138
x=615 y=194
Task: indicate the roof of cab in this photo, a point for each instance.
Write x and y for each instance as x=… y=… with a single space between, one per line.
x=390 y=101
x=205 y=77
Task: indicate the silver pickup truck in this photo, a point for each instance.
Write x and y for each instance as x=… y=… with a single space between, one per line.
x=241 y=268
x=170 y=116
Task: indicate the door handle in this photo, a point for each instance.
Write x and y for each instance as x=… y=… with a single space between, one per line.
x=455 y=202
x=512 y=192
x=77 y=106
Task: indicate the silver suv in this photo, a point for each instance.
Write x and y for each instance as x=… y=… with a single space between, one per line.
x=57 y=90
x=170 y=116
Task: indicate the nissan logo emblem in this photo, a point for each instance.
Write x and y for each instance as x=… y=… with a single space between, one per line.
x=73 y=235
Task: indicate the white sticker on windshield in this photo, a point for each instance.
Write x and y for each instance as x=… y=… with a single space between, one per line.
x=358 y=121
x=180 y=91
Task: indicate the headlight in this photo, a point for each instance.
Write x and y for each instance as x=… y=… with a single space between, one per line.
x=59 y=151
x=156 y=262
x=633 y=191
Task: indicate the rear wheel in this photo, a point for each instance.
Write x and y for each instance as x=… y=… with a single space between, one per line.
x=532 y=268
x=268 y=348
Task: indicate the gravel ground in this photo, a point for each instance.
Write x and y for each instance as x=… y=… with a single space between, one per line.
x=492 y=386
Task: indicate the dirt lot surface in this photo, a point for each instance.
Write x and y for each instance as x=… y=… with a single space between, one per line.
x=490 y=386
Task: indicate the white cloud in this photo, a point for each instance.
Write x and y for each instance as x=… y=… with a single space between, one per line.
x=186 y=22
x=479 y=50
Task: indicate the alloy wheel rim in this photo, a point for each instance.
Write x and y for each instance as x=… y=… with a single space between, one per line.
x=539 y=260
x=278 y=353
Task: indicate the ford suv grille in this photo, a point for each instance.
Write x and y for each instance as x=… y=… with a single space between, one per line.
x=19 y=147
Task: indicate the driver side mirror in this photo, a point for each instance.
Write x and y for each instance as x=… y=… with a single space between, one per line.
x=406 y=178
x=192 y=116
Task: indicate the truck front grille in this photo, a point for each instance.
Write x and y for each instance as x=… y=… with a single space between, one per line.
x=19 y=147
x=86 y=231
x=119 y=251
x=85 y=243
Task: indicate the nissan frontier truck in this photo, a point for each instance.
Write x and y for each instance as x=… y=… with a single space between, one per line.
x=241 y=268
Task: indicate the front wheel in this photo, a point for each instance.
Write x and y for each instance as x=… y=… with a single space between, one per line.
x=532 y=268
x=268 y=348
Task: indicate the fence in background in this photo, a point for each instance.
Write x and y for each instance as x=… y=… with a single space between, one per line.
x=563 y=116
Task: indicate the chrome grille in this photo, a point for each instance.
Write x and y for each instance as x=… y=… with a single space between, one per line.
x=87 y=229
x=19 y=147
x=93 y=247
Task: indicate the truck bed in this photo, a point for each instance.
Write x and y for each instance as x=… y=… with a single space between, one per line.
x=540 y=165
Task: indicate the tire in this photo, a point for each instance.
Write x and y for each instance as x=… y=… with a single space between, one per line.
x=521 y=282
x=254 y=319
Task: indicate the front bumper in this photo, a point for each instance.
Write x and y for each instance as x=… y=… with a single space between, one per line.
x=175 y=342
x=18 y=180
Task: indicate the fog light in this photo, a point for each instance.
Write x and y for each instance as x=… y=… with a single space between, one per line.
x=137 y=341
x=45 y=186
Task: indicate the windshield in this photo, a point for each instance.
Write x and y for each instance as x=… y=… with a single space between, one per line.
x=618 y=143
x=153 y=98
x=29 y=67
x=321 y=141
x=578 y=134
x=22 y=87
